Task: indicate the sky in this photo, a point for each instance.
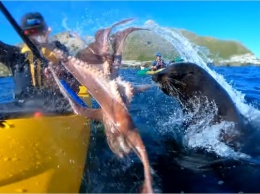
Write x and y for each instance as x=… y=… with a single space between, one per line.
x=225 y=20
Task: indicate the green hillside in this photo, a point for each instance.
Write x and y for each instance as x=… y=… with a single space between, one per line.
x=4 y=71
x=221 y=48
x=142 y=45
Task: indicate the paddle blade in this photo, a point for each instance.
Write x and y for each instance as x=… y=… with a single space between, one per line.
x=142 y=71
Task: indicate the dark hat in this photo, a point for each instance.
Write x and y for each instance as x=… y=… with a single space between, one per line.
x=33 y=21
x=158 y=54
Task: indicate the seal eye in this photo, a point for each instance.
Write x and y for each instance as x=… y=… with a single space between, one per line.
x=189 y=74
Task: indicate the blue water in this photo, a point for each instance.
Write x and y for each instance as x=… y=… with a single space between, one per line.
x=7 y=89
x=244 y=79
x=158 y=118
x=182 y=161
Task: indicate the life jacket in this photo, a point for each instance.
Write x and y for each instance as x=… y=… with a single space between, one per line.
x=160 y=63
x=36 y=65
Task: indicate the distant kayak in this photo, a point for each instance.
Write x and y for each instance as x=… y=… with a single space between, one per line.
x=148 y=71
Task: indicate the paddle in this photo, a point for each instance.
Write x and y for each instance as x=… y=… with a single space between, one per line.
x=38 y=55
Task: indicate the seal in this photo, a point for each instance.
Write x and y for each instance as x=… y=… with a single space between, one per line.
x=187 y=81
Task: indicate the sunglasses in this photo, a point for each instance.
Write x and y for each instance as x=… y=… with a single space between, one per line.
x=33 y=31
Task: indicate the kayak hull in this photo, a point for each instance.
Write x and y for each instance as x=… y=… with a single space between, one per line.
x=148 y=71
x=154 y=72
x=43 y=154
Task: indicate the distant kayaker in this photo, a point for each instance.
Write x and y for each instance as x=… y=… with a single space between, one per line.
x=158 y=63
x=30 y=75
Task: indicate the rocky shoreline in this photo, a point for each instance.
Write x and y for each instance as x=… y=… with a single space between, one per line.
x=244 y=60
x=74 y=44
x=135 y=64
x=240 y=60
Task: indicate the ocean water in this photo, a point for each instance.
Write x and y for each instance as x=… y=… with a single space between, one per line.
x=182 y=160
x=158 y=118
x=204 y=165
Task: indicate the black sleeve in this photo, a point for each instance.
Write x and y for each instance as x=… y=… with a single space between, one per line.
x=10 y=55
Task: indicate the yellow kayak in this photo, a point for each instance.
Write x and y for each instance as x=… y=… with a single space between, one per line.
x=148 y=71
x=153 y=72
x=44 y=153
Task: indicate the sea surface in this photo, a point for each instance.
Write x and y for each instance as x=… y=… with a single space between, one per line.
x=200 y=168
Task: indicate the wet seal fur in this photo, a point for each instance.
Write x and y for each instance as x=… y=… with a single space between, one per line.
x=186 y=80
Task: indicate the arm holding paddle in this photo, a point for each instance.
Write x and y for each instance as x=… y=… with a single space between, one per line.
x=34 y=33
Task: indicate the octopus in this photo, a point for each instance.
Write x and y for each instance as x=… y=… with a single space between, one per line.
x=96 y=67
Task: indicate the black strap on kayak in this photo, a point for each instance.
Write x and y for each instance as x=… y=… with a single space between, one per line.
x=19 y=31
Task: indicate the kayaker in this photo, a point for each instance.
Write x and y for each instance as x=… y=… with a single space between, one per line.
x=158 y=63
x=32 y=78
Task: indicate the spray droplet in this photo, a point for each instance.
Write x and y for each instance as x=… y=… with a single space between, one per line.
x=220 y=182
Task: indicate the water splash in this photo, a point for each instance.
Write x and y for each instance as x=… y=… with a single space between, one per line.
x=202 y=132
x=208 y=138
x=190 y=52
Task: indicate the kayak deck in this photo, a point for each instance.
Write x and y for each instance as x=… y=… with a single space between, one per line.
x=43 y=153
x=148 y=71
x=154 y=72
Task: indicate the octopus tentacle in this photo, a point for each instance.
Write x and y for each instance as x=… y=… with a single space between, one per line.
x=97 y=71
x=94 y=114
x=97 y=53
x=101 y=45
x=126 y=90
x=118 y=39
x=92 y=78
